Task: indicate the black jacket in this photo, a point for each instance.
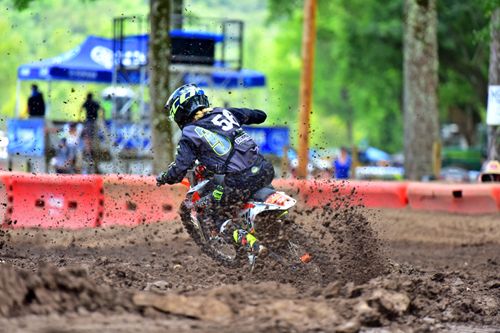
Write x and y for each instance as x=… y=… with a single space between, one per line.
x=36 y=105
x=218 y=142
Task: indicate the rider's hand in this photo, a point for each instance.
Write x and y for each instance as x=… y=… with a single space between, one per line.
x=200 y=172
x=161 y=179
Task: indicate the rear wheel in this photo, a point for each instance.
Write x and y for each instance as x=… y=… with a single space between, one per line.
x=218 y=247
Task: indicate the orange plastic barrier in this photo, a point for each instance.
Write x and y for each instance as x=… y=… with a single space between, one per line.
x=381 y=194
x=377 y=194
x=289 y=186
x=3 y=197
x=496 y=194
x=455 y=198
x=130 y=200
x=59 y=201
x=330 y=193
x=53 y=201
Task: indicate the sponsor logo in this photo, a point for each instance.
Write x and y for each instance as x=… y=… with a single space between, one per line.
x=242 y=139
x=103 y=56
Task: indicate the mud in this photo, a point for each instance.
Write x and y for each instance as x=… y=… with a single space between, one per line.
x=384 y=271
x=56 y=290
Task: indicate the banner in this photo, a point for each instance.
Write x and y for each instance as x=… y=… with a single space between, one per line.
x=26 y=137
x=130 y=136
x=493 y=112
x=271 y=140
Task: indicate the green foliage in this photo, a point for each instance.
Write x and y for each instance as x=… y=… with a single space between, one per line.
x=463 y=35
x=359 y=51
x=24 y=4
x=283 y=9
x=21 y=4
x=10 y=47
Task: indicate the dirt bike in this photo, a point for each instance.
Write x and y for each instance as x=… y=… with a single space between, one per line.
x=264 y=216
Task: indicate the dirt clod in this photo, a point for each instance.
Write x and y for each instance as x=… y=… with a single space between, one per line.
x=199 y=307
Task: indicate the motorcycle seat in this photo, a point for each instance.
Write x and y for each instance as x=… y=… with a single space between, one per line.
x=262 y=194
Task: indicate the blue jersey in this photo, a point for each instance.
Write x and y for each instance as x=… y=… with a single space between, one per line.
x=218 y=142
x=342 y=169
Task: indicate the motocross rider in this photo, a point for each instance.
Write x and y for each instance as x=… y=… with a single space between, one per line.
x=214 y=137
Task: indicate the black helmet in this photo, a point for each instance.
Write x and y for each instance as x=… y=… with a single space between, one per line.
x=184 y=102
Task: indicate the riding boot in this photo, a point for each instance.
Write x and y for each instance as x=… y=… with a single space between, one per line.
x=249 y=242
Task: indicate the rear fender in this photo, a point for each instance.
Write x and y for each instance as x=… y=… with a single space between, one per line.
x=281 y=200
x=277 y=201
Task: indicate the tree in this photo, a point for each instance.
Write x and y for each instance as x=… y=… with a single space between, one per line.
x=177 y=11
x=494 y=80
x=159 y=63
x=360 y=51
x=359 y=56
x=420 y=102
x=463 y=31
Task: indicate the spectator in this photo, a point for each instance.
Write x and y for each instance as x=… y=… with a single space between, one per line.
x=36 y=104
x=88 y=160
x=69 y=138
x=92 y=109
x=64 y=161
x=90 y=132
x=72 y=133
x=342 y=164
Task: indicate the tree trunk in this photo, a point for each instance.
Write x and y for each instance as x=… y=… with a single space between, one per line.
x=420 y=103
x=159 y=61
x=306 y=85
x=177 y=10
x=494 y=80
x=350 y=116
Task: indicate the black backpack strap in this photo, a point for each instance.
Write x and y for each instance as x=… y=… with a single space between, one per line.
x=230 y=156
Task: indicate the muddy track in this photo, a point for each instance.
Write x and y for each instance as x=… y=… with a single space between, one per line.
x=399 y=270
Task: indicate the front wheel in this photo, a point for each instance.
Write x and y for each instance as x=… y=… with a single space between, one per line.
x=219 y=247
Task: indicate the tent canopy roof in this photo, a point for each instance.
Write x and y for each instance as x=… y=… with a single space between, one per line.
x=92 y=61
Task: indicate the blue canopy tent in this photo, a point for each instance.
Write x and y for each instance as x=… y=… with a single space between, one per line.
x=93 y=61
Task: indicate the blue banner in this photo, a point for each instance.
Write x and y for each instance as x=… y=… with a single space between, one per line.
x=136 y=136
x=271 y=140
x=26 y=137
